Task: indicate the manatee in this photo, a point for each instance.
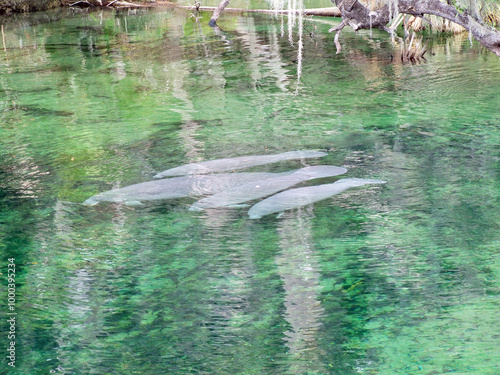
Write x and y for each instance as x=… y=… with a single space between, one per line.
x=265 y=187
x=241 y=162
x=178 y=187
x=299 y=197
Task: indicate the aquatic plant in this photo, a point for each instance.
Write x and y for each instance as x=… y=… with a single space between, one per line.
x=413 y=49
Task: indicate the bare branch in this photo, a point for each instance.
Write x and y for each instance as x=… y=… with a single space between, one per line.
x=339 y=27
x=337 y=30
x=487 y=36
x=217 y=12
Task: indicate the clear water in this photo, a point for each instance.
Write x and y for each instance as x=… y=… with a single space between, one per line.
x=394 y=279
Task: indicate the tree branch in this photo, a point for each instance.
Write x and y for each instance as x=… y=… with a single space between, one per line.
x=487 y=36
x=359 y=17
x=217 y=12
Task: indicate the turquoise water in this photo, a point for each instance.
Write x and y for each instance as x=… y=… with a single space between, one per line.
x=401 y=278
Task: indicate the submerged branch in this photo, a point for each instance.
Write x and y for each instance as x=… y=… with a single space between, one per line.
x=215 y=16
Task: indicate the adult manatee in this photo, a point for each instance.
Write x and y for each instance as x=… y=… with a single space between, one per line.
x=265 y=187
x=178 y=187
x=241 y=162
x=293 y=198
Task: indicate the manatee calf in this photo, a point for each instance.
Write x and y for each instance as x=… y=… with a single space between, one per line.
x=241 y=162
x=178 y=187
x=262 y=188
x=293 y=198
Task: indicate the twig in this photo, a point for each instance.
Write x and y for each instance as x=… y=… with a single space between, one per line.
x=196 y=6
x=397 y=21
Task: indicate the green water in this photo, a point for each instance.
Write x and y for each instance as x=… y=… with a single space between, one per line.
x=402 y=278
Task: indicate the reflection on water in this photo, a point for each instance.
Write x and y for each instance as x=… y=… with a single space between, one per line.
x=299 y=266
x=402 y=279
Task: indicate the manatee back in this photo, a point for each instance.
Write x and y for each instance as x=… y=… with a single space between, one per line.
x=240 y=162
x=294 y=198
x=320 y=171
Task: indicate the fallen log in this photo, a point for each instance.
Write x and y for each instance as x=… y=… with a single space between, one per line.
x=320 y=12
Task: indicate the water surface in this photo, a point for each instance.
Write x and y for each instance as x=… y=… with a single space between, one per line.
x=401 y=278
